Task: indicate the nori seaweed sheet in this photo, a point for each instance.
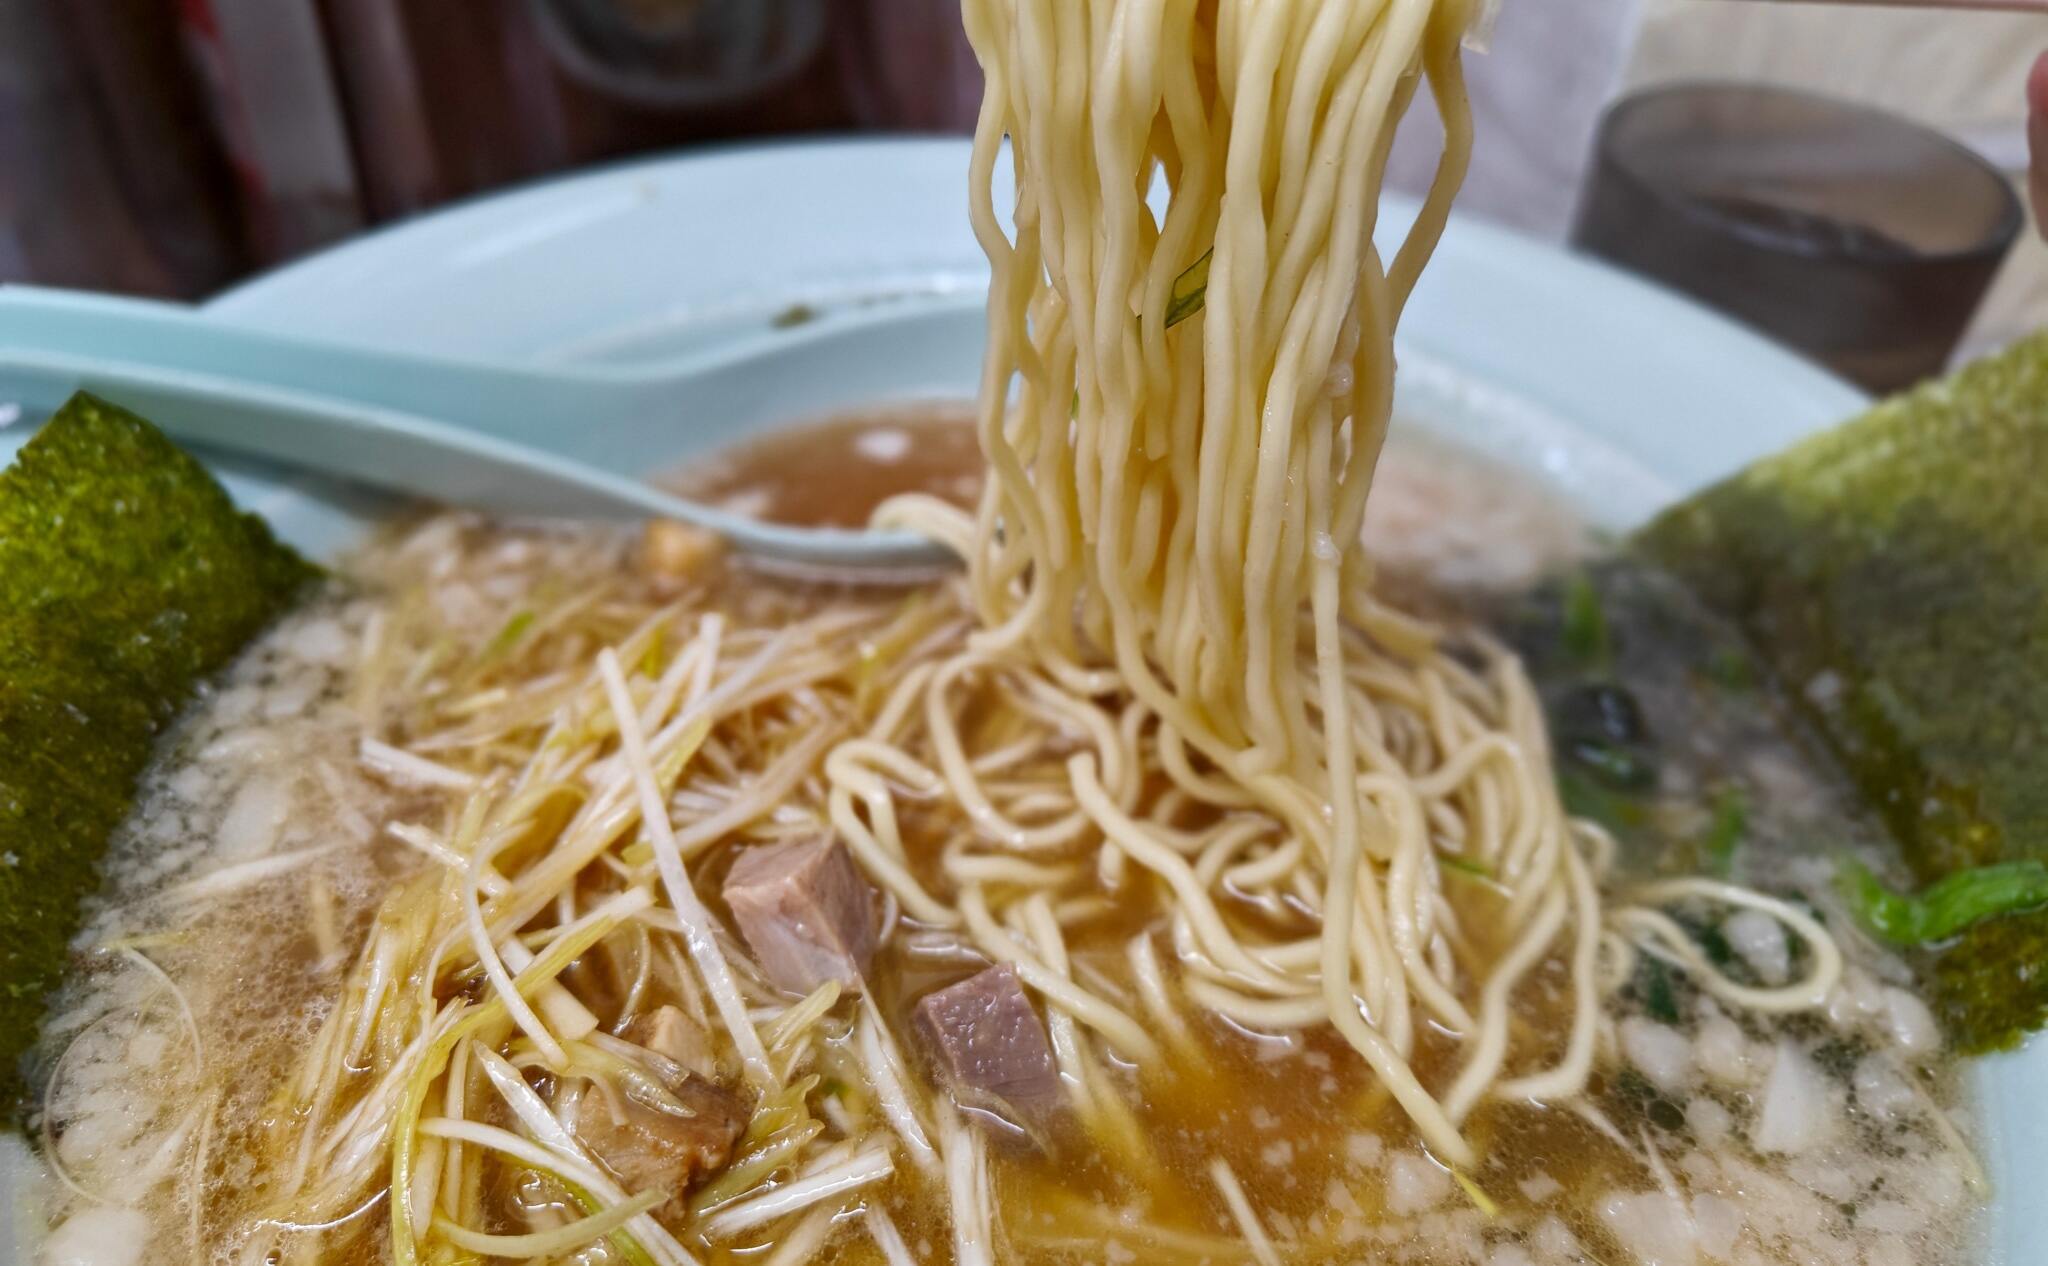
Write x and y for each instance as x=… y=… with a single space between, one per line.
x=1895 y=573
x=126 y=576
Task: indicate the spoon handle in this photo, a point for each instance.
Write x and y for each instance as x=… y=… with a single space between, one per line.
x=147 y=333
x=247 y=392
x=394 y=451
x=631 y=421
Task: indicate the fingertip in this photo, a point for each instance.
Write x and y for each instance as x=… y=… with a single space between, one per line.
x=2037 y=86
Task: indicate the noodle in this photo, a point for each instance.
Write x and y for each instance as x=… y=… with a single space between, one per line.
x=1171 y=532
x=1174 y=513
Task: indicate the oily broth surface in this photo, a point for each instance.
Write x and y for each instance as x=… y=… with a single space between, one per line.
x=834 y=473
x=265 y=766
x=1447 y=519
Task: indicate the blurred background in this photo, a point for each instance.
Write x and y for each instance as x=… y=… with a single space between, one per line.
x=170 y=147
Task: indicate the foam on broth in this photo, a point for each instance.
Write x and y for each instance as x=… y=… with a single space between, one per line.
x=1683 y=1154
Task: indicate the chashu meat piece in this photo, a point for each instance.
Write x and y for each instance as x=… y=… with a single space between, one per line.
x=989 y=1042
x=806 y=912
x=675 y=1037
x=651 y=1147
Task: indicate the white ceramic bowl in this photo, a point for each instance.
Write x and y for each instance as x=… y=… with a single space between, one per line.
x=1618 y=393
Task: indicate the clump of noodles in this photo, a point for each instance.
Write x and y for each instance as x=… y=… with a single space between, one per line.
x=1164 y=684
x=1182 y=413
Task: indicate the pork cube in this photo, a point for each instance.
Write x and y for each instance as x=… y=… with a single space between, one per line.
x=806 y=912
x=662 y=1147
x=989 y=1041
x=675 y=1037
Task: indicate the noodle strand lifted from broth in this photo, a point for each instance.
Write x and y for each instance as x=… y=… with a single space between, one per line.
x=1166 y=560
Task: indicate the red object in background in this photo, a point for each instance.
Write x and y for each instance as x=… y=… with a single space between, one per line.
x=169 y=146
x=110 y=171
x=2037 y=142
x=278 y=119
x=448 y=99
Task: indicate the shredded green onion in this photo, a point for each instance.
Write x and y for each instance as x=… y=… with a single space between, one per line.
x=1619 y=766
x=1948 y=906
x=651 y=662
x=506 y=637
x=551 y=1243
x=751 y=1170
x=1654 y=986
x=789 y=1027
x=1189 y=290
x=1724 y=834
x=1731 y=669
x=1480 y=1200
x=880 y=654
x=565 y=950
x=783 y=1108
x=1585 y=631
x=1474 y=872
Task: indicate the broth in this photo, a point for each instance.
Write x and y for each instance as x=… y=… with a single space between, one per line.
x=835 y=472
x=1673 y=1133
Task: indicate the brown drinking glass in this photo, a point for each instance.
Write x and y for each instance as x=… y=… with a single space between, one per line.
x=1857 y=237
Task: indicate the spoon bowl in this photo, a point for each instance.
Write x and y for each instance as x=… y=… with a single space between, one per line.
x=513 y=440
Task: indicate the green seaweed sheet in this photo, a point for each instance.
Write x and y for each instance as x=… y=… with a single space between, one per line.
x=1895 y=573
x=126 y=576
